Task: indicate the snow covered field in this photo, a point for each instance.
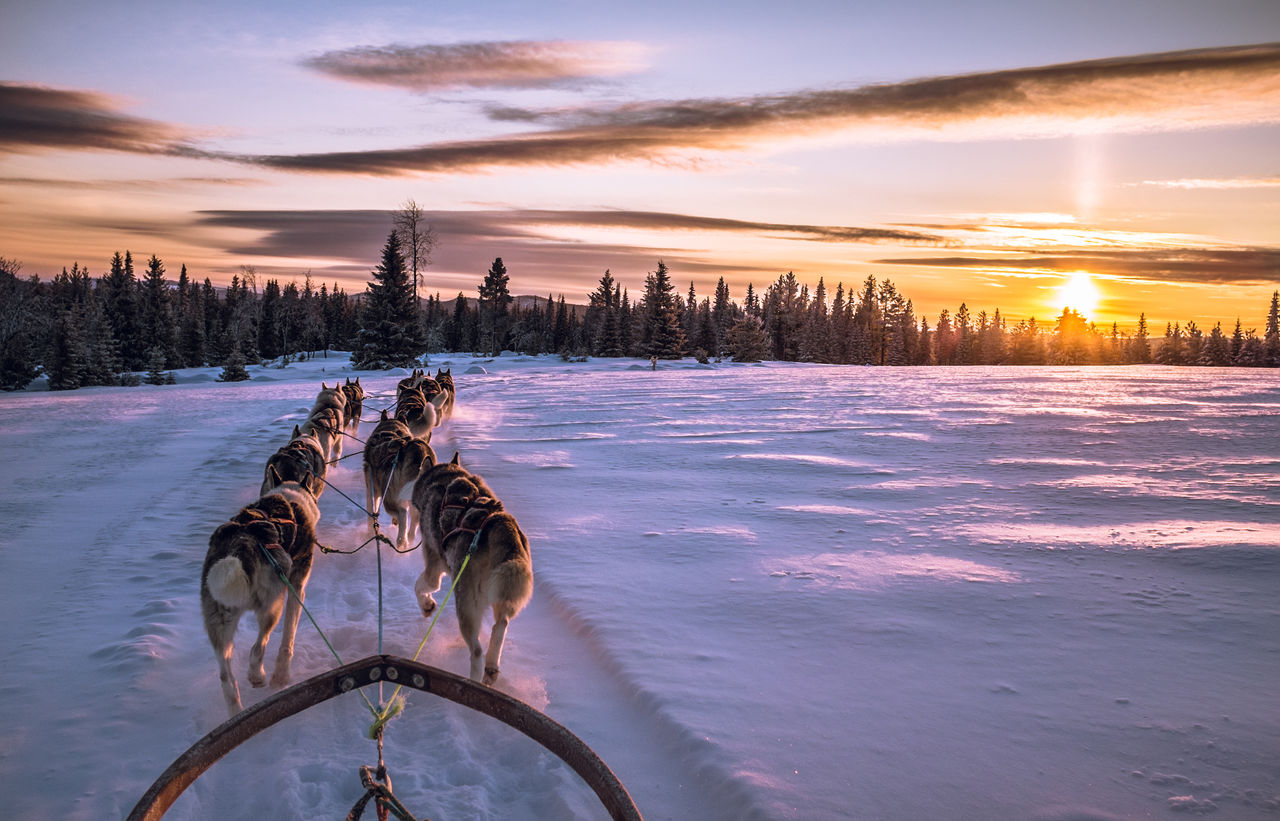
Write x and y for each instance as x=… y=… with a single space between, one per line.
x=762 y=591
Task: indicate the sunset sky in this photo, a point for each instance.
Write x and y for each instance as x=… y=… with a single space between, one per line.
x=986 y=152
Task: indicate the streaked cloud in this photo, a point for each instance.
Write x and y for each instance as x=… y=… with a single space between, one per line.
x=34 y=118
x=1155 y=92
x=1217 y=266
x=1226 y=184
x=518 y=64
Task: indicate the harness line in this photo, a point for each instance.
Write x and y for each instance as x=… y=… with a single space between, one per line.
x=475 y=542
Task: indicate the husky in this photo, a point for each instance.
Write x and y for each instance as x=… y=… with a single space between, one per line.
x=238 y=576
x=445 y=380
x=416 y=412
x=301 y=460
x=413 y=380
x=428 y=496
x=393 y=458
x=499 y=574
x=355 y=405
x=326 y=420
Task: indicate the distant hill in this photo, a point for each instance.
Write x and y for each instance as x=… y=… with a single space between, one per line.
x=524 y=302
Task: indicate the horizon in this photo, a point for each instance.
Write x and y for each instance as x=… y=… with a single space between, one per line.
x=1116 y=161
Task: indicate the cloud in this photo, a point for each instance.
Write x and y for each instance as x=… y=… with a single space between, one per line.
x=1235 y=266
x=346 y=243
x=39 y=118
x=515 y=64
x=1230 y=183
x=1154 y=92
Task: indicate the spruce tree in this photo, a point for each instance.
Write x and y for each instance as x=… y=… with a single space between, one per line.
x=234 y=370
x=662 y=334
x=388 y=331
x=66 y=360
x=746 y=340
x=159 y=330
x=1139 y=347
x=494 y=299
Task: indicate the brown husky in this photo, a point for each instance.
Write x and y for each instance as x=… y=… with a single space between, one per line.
x=416 y=412
x=301 y=461
x=355 y=405
x=393 y=458
x=240 y=573
x=498 y=575
x=326 y=420
x=445 y=380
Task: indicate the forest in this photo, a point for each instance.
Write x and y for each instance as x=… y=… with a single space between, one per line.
x=122 y=328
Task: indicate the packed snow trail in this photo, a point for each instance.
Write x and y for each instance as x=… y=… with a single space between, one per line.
x=112 y=535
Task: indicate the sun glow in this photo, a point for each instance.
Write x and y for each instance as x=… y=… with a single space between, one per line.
x=1079 y=294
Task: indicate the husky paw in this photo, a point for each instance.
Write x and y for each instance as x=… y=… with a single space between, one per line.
x=428 y=606
x=490 y=676
x=280 y=679
x=257 y=678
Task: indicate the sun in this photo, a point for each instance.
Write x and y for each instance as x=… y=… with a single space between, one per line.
x=1079 y=294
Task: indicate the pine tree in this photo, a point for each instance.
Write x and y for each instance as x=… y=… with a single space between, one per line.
x=662 y=334
x=155 y=369
x=494 y=299
x=1139 y=347
x=66 y=360
x=1271 y=340
x=746 y=340
x=388 y=331
x=234 y=370
x=1217 y=349
x=158 y=327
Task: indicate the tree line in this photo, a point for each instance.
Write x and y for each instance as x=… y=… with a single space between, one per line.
x=82 y=330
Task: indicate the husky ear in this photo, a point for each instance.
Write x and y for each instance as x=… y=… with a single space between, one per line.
x=357 y=380
x=457 y=458
x=275 y=475
x=297 y=431
x=384 y=414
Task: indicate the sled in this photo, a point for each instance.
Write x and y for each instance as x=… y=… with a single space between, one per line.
x=391 y=669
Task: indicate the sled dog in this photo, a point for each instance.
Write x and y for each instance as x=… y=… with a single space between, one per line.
x=413 y=380
x=445 y=380
x=499 y=574
x=393 y=458
x=238 y=576
x=326 y=420
x=416 y=412
x=428 y=496
x=301 y=460
x=355 y=405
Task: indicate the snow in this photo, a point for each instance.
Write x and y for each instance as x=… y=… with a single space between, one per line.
x=762 y=592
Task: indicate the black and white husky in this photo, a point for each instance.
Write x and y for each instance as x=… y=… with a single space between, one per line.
x=276 y=534
x=459 y=516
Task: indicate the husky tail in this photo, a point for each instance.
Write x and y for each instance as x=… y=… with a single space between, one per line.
x=229 y=583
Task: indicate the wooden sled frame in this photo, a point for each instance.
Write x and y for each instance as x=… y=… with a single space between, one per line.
x=372 y=670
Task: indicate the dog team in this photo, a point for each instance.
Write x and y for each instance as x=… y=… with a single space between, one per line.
x=261 y=559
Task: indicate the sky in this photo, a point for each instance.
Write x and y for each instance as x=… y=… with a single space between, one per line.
x=1120 y=157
